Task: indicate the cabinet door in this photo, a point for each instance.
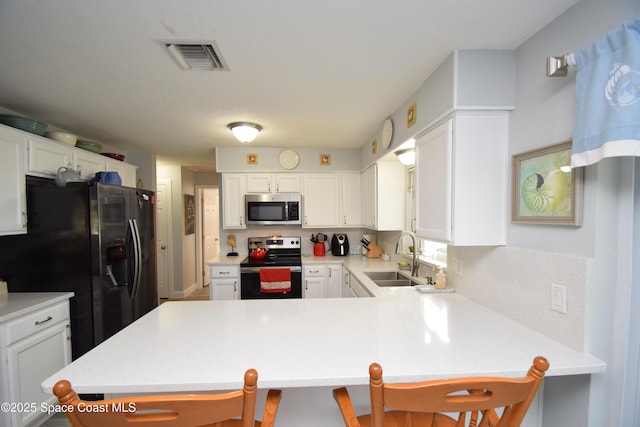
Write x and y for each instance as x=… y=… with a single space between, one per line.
x=321 y=201
x=45 y=157
x=351 y=212
x=433 y=183
x=87 y=163
x=287 y=183
x=234 y=187
x=368 y=197
x=259 y=183
x=225 y=289
x=13 y=209
x=315 y=287
x=32 y=360
x=334 y=281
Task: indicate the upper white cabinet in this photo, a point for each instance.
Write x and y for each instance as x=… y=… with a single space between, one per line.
x=382 y=196
x=273 y=183
x=321 y=200
x=331 y=200
x=461 y=180
x=47 y=156
x=13 y=209
x=351 y=208
x=234 y=188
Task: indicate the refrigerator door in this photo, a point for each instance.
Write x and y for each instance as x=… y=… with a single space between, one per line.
x=145 y=295
x=113 y=249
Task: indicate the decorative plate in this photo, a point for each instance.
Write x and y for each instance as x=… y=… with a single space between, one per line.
x=387 y=133
x=289 y=159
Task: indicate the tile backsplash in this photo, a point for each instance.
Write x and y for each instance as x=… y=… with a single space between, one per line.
x=517 y=283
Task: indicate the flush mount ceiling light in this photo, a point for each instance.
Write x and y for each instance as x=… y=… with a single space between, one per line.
x=244 y=131
x=406 y=156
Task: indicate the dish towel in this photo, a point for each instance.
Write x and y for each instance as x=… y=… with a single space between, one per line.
x=607 y=120
x=275 y=280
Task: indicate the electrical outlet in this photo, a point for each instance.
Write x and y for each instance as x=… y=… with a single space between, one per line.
x=559 y=298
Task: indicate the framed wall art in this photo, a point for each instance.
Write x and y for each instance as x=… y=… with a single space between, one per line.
x=252 y=159
x=189 y=214
x=325 y=159
x=545 y=189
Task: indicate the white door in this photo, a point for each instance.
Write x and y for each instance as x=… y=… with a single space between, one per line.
x=163 y=230
x=210 y=230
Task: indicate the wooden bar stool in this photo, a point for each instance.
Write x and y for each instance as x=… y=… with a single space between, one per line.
x=423 y=404
x=233 y=409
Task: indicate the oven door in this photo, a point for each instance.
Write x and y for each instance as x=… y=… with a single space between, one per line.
x=250 y=284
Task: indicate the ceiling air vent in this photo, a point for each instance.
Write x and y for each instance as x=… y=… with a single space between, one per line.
x=198 y=56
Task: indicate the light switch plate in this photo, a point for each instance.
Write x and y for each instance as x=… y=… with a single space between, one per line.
x=559 y=298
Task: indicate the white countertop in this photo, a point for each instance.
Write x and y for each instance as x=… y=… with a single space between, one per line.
x=207 y=345
x=15 y=304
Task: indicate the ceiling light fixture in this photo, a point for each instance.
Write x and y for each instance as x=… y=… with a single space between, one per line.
x=244 y=131
x=406 y=156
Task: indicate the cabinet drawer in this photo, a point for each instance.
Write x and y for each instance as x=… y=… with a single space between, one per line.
x=315 y=270
x=36 y=321
x=225 y=271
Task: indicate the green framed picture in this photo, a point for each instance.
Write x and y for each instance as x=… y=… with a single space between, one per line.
x=545 y=189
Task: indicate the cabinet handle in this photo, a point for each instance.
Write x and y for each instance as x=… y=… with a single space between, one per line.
x=234 y=286
x=241 y=220
x=40 y=322
x=24 y=219
x=225 y=272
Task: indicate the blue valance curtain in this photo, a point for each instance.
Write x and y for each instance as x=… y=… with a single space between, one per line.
x=607 y=116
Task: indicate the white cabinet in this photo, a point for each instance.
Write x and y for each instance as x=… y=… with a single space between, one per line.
x=13 y=209
x=461 y=180
x=351 y=208
x=47 y=156
x=382 y=195
x=331 y=200
x=127 y=172
x=35 y=345
x=321 y=207
x=322 y=281
x=273 y=183
x=334 y=281
x=234 y=188
x=315 y=281
x=357 y=289
x=225 y=282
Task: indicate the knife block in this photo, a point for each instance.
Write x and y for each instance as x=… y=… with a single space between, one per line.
x=374 y=251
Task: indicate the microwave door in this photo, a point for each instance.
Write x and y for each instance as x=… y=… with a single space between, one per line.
x=266 y=212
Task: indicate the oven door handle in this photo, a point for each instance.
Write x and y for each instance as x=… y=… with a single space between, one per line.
x=294 y=269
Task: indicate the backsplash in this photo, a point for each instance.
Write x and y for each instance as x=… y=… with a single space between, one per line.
x=517 y=283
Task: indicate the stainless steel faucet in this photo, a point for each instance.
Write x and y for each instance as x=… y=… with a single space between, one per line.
x=415 y=264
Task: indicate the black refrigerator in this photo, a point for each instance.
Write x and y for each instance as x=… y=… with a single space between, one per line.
x=96 y=240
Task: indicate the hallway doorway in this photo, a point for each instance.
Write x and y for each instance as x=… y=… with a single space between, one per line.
x=207 y=231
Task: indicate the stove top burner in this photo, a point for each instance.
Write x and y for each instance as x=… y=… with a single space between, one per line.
x=284 y=251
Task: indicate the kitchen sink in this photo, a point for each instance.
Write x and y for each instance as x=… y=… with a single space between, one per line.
x=399 y=282
x=389 y=278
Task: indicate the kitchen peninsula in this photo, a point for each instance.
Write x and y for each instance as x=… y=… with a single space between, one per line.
x=309 y=346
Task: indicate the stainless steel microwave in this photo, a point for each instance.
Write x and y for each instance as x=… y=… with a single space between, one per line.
x=273 y=209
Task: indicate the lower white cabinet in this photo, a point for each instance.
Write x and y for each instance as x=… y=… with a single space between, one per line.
x=322 y=281
x=315 y=281
x=34 y=346
x=334 y=281
x=225 y=282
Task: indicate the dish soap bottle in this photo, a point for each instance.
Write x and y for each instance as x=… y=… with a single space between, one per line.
x=441 y=279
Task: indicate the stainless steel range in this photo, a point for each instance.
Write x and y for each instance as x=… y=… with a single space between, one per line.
x=277 y=274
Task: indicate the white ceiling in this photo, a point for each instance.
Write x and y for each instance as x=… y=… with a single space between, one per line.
x=311 y=72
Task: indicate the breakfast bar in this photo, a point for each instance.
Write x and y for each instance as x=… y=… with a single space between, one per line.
x=306 y=347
